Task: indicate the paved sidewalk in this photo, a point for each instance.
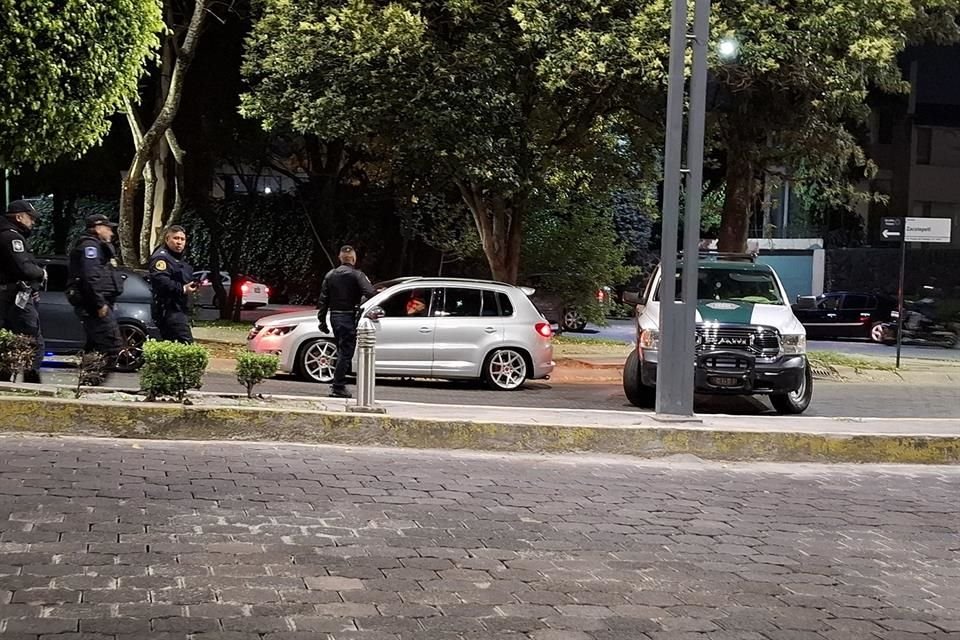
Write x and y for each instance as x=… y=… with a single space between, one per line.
x=125 y=540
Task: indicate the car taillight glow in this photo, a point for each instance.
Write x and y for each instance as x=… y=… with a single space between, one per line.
x=245 y=287
x=266 y=290
x=544 y=329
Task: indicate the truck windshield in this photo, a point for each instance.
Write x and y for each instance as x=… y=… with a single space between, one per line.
x=737 y=285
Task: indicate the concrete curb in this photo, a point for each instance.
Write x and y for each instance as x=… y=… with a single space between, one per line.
x=169 y=421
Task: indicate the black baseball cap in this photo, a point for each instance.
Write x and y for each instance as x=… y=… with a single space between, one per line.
x=347 y=249
x=98 y=219
x=22 y=206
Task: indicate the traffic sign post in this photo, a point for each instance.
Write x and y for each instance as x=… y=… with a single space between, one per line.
x=911 y=230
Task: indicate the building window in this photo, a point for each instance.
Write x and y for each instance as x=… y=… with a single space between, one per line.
x=924 y=144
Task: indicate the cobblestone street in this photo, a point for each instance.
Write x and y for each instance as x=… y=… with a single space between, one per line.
x=108 y=539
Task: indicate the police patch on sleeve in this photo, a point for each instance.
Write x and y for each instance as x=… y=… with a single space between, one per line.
x=160 y=265
x=18 y=246
x=90 y=252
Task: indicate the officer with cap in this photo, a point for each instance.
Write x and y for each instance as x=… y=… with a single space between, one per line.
x=20 y=280
x=342 y=291
x=94 y=286
x=172 y=281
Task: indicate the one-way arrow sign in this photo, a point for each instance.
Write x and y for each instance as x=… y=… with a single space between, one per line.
x=891 y=229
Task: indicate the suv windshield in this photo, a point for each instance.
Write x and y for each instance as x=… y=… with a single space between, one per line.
x=740 y=285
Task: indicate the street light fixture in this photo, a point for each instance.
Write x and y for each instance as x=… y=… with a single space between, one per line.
x=675 y=369
x=728 y=49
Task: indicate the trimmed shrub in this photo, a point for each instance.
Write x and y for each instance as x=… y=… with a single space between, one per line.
x=172 y=369
x=254 y=368
x=16 y=352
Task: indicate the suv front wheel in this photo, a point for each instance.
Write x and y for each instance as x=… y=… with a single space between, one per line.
x=639 y=394
x=795 y=402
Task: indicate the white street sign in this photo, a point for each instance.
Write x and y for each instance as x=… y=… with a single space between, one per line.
x=928 y=229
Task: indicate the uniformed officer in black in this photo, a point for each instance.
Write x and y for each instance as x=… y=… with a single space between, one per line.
x=172 y=281
x=342 y=291
x=20 y=280
x=94 y=286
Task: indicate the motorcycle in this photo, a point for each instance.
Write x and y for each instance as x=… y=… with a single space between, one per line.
x=920 y=328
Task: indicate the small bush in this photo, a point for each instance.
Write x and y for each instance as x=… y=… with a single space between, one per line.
x=254 y=368
x=16 y=353
x=91 y=370
x=172 y=368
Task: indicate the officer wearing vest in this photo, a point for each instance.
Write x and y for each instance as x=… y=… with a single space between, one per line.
x=342 y=291
x=172 y=281
x=94 y=286
x=20 y=280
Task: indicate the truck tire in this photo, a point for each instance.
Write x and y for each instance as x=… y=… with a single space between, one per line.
x=639 y=394
x=795 y=402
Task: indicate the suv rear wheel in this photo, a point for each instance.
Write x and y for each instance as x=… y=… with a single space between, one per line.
x=795 y=402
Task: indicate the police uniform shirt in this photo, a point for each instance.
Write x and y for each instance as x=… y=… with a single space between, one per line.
x=93 y=268
x=16 y=261
x=168 y=275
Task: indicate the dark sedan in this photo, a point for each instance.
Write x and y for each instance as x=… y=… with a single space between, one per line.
x=844 y=314
x=63 y=333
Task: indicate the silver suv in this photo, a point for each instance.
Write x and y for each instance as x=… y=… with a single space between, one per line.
x=426 y=328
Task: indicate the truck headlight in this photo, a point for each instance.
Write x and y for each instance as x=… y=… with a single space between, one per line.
x=793 y=344
x=650 y=340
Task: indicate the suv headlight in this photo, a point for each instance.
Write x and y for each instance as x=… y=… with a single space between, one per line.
x=650 y=340
x=793 y=344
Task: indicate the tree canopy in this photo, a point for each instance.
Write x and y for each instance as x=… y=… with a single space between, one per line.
x=505 y=100
x=64 y=68
x=797 y=91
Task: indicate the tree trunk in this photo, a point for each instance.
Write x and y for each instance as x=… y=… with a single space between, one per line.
x=737 y=203
x=147 y=146
x=499 y=222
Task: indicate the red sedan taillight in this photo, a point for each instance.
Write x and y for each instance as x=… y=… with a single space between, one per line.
x=544 y=329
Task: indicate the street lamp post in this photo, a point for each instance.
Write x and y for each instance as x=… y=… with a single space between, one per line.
x=675 y=370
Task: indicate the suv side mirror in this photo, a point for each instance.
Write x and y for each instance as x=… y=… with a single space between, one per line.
x=632 y=297
x=375 y=313
x=806 y=302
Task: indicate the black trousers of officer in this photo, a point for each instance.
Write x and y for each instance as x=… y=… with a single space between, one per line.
x=103 y=335
x=24 y=322
x=344 y=325
x=174 y=326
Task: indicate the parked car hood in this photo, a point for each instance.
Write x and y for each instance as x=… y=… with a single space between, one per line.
x=288 y=319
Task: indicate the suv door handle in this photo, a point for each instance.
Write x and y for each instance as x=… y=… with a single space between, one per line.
x=490 y=329
x=425 y=329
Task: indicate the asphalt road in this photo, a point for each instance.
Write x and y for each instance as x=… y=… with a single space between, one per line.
x=125 y=540
x=830 y=398
x=623 y=331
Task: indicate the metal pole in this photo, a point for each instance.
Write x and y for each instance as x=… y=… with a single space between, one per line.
x=6 y=188
x=694 y=192
x=903 y=270
x=366 y=368
x=671 y=396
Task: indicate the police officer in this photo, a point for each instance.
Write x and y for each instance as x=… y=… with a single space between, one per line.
x=94 y=286
x=172 y=281
x=20 y=280
x=342 y=291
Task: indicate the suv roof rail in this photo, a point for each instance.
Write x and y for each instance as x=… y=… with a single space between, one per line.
x=724 y=255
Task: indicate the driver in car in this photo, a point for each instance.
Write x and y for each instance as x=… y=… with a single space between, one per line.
x=416 y=306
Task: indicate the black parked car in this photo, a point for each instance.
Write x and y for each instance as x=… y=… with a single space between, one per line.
x=845 y=314
x=63 y=333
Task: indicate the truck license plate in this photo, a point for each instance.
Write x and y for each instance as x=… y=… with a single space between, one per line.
x=725 y=381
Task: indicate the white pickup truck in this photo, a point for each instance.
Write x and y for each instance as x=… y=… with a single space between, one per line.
x=748 y=340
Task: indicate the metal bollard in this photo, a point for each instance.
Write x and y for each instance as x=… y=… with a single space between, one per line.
x=366 y=368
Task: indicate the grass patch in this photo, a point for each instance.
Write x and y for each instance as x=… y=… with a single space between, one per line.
x=568 y=340
x=222 y=324
x=833 y=358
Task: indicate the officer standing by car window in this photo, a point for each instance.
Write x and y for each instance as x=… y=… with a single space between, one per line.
x=20 y=280
x=342 y=291
x=172 y=281
x=94 y=286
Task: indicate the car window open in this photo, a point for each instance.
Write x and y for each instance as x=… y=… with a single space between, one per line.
x=735 y=285
x=409 y=303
